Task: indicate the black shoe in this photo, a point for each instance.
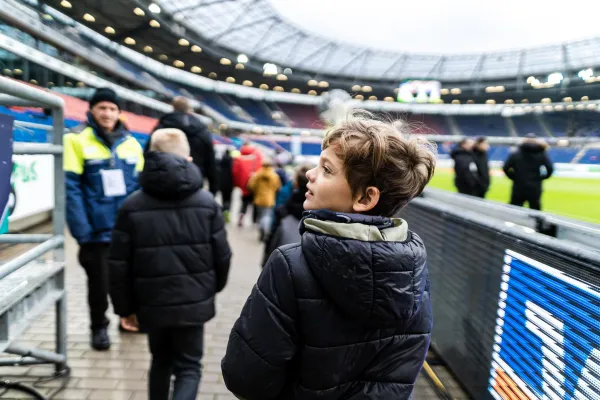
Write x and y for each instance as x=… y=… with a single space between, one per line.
x=100 y=339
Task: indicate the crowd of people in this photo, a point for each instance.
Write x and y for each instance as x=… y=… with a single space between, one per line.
x=527 y=167
x=342 y=306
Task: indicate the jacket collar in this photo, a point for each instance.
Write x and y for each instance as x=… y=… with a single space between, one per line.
x=355 y=226
x=120 y=133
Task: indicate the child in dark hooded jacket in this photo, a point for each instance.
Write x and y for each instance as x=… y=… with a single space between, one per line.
x=345 y=313
x=169 y=257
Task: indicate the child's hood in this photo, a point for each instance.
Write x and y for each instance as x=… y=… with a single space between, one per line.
x=168 y=176
x=373 y=268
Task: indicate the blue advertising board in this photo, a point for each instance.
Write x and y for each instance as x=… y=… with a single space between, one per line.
x=6 y=150
x=547 y=342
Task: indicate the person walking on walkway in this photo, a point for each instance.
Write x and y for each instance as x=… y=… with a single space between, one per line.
x=101 y=163
x=168 y=258
x=202 y=149
x=527 y=168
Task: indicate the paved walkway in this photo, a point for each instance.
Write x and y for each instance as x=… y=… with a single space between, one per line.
x=121 y=373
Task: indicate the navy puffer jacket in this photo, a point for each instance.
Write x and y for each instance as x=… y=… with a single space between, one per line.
x=346 y=314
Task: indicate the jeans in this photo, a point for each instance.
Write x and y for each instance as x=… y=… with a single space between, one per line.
x=93 y=257
x=178 y=352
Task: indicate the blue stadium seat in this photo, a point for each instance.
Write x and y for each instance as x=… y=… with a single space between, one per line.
x=485 y=125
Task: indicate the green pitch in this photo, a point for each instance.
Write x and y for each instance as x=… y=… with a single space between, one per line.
x=571 y=197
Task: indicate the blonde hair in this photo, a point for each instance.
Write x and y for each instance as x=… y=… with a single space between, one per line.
x=170 y=140
x=384 y=155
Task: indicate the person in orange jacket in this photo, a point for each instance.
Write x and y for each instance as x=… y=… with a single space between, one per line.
x=264 y=184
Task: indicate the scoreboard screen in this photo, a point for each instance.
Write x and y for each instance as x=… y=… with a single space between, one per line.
x=419 y=91
x=547 y=342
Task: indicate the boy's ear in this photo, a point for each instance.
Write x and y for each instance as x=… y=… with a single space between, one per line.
x=190 y=159
x=366 y=201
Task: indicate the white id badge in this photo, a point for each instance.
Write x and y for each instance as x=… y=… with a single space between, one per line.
x=113 y=182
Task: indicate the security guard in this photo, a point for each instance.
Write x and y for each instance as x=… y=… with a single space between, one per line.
x=101 y=163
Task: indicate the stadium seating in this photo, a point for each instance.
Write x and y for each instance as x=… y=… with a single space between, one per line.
x=488 y=125
x=591 y=156
x=525 y=124
x=302 y=116
x=258 y=110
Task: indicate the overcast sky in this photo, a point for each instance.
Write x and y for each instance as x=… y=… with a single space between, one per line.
x=445 y=26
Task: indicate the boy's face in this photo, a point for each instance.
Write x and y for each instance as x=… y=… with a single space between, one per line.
x=327 y=185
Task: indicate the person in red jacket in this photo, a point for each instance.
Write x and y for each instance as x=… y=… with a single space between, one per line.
x=249 y=161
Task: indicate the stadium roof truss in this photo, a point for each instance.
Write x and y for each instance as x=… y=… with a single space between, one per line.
x=257 y=29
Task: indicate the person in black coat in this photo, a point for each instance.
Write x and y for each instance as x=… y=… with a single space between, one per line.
x=345 y=313
x=226 y=180
x=202 y=149
x=465 y=170
x=168 y=258
x=480 y=156
x=288 y=215
x=524 y=168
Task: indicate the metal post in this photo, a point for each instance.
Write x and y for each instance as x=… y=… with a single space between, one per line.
x=61 y=331
x=58 y=214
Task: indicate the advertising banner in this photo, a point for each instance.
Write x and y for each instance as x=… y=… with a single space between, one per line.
x=6 y=149
x=33 y=185
x=547 y=334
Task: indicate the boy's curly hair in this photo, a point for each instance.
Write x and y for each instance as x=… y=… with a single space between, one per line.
x=384 y=155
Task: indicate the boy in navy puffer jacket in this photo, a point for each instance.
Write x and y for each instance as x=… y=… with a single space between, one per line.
x=346 y=313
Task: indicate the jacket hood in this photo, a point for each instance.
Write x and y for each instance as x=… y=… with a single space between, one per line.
x=532 y=147
x=247 y=150
x=373 y=268
x=457 y=151
x=295 y=204
x=184 y=121
x=168 y=176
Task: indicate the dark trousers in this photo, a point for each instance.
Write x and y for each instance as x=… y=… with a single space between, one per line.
x=529 y=195
x=246 y=202
x=93 y=257
x=178 y=352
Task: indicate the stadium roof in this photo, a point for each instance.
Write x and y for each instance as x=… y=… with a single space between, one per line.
x=255 y=28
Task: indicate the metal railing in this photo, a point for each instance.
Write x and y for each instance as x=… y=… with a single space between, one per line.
x=496 y=289
x=30 y=285
x=577 y=232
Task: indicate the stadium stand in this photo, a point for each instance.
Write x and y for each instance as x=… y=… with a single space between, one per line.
x=489 y=125
x=302 y=116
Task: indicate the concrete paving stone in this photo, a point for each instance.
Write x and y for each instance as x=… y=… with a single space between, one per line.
x=88 y=372
x=226 y=397
x=127 y=374
x=16 y=371
x=114 y=364
x=132 y=385
x=73 y=394
x=110 y=395
x=97 y=383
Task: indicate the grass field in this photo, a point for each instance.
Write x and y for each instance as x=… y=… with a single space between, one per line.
x=571 y=197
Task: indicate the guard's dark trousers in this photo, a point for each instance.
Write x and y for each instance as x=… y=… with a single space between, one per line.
x=531 y=195
x=93 y=257
x=178 y=352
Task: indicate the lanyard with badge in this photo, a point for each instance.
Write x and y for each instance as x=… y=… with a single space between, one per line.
x=113 y=180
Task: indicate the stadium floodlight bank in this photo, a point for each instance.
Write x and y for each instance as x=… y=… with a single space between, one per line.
x=515 y=311
x=35 y=280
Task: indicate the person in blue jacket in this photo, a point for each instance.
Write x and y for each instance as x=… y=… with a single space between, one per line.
x=101 y=163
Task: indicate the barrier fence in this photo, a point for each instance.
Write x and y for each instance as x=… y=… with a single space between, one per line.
x=516 y=313
x=31 y=283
